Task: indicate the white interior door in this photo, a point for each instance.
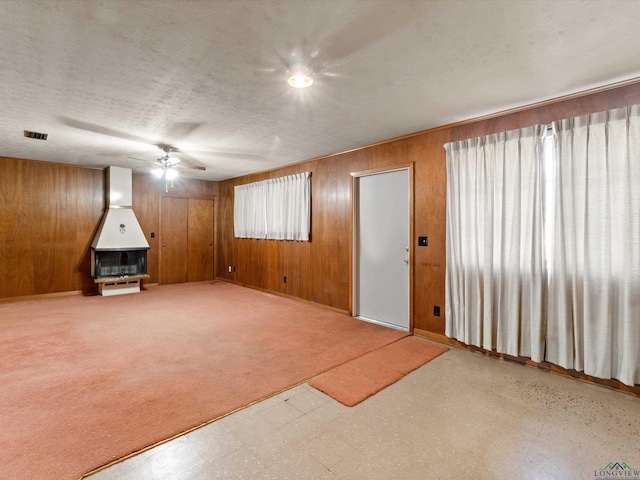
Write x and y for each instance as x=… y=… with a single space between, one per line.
x=381 y=244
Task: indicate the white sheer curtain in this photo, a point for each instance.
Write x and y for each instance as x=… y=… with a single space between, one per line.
x=249 y=210
x=288 y=200
x=594 y=280
x=278 y=208
x=495 y=254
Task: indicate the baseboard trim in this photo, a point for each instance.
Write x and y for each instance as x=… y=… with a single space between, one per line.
x=527 y=362
x=284 y=295
x=40 y=296
x=436 y=337
x=70 y=293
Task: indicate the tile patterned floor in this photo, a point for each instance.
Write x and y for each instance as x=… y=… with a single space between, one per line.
x=463 y=415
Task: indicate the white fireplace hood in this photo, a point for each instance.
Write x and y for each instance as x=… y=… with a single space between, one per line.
x=119 y=228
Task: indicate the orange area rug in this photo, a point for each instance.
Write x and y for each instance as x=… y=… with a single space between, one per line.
x=358 y=379
x=88 y=380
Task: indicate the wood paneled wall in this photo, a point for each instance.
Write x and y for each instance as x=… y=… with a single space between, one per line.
x=49 y=214
x=318 y=270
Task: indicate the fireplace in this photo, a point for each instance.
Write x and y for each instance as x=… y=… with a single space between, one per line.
x=118 y=271
x=119 y=249
x=114 y=263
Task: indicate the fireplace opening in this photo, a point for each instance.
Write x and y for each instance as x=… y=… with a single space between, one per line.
x=115 y=263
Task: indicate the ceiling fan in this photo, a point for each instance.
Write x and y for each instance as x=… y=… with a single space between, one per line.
x=167 y=166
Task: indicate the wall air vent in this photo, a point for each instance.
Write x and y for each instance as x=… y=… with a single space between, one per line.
x=36 y=135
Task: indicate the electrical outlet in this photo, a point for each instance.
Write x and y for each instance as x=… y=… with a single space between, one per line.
x=234 y=269
x=284 y=279
x=436 y=311
x=229 y=268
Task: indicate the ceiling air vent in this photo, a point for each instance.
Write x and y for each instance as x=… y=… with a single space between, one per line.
x=36 y=135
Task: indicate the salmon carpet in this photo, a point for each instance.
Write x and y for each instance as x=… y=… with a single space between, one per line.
x=358 y=379
x=88 y=380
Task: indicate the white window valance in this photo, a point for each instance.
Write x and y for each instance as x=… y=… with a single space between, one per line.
x=278 y=208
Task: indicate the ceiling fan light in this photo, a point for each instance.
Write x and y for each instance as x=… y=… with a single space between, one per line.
x=171 y=174
x=158 y=172
x=300 y=76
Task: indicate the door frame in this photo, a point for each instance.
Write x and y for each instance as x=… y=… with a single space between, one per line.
x=355 y=198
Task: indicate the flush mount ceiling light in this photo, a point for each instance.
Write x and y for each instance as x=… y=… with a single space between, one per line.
x=300 y=76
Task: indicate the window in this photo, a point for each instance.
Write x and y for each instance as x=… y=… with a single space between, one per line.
x=278 y=208
x=543 y=243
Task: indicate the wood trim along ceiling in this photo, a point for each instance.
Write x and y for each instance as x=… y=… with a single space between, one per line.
x=633 y=82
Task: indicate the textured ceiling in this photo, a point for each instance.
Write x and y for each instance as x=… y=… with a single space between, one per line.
x=109 y=80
